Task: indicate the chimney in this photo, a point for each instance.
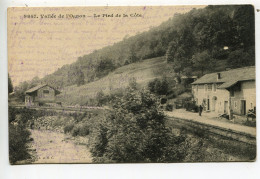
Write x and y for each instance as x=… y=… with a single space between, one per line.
x=218 y=76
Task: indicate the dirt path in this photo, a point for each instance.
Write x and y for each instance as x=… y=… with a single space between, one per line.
x=209 y=119
x=53 y=147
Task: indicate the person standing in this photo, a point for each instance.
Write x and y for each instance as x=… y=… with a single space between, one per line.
x=200 y=110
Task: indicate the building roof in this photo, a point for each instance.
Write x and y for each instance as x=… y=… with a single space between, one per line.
x=228 y=78
x=190 y=77
x=38 y=87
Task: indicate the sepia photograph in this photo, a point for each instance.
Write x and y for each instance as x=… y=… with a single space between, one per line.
x=131 y=84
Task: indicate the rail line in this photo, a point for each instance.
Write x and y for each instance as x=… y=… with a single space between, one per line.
x=212 y=130
x=62 y=108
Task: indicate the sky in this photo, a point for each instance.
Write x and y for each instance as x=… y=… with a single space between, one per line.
x=41 y=40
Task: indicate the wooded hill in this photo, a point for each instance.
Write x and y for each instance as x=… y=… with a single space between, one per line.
x=192 y=42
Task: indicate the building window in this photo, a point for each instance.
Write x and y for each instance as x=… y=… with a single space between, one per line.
x=210 y=87
x=46 y=91
x=205 y=87
x=214 y=87
x=232 y=93
x=235 y=104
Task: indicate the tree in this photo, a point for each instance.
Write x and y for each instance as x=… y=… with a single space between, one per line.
x=20 y=90
x=104 y=66
x=240 y=58
x=101 y=98
x=75 y=76
x=181 y=49
x=132 y=83
x=132 y=58
x=203 y=61
x=135 y=131
x=10 y=85
x=159 y=86
x=34 y=82
x=80 y=79
x=244 y=26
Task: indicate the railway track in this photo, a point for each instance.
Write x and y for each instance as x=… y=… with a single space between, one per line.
x=63 y=108
x=214 y=131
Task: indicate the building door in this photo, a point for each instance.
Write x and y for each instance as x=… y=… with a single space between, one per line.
x=208 y=105
x=243 y=107
x=225 y=107
x=214 y=102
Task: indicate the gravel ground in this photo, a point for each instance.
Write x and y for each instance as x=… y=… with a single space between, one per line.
x=54 y=147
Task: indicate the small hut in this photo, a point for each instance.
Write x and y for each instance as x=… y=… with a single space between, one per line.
x=41 y=95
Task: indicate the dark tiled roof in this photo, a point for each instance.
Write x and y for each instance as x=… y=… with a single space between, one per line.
x=228 y=78
x=38 y=87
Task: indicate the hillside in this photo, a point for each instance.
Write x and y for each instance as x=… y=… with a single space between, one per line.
x=143 y=72
x=198 y=42
x=194 y=40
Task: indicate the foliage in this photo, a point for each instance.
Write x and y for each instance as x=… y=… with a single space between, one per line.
x=250 y=123
x=203 y=33
x=80 y=78
x=133 y=83
x=135 y=131
x=159 y=86
x=180 y=89
x=75 y=76
x=19 y=136
x=11 y=114
x=82 y=124
x=68 y=128
x=61 y=122
x=104 y=66
x=203 y=61
x=191 y=106
x=169 y=107
x=238 y=58
x=81 y=129
x=10 y=85
x=200 y=33
x=18 y=140
x=180 y=50
x=20 y=90
x=101 y=98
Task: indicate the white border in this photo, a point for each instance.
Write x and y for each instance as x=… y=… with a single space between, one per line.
x=192 y=170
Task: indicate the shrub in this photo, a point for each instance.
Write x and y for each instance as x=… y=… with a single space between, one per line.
x=101 y=98
x=78 y=117
x=84 y=129
x=179 y=89
x=191 y=106
x=81 y=129
x=135 y=131
x=11 y=114
x=159 y=86
x=75 y=131
x=169 y=107
x=250 y=123
x=61 y=121
x=18 y=139
x=68 y=128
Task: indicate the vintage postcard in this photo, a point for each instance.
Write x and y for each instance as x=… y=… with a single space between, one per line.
x=131 y=84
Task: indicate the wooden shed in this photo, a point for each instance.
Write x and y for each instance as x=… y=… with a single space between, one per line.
x=41 y=95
